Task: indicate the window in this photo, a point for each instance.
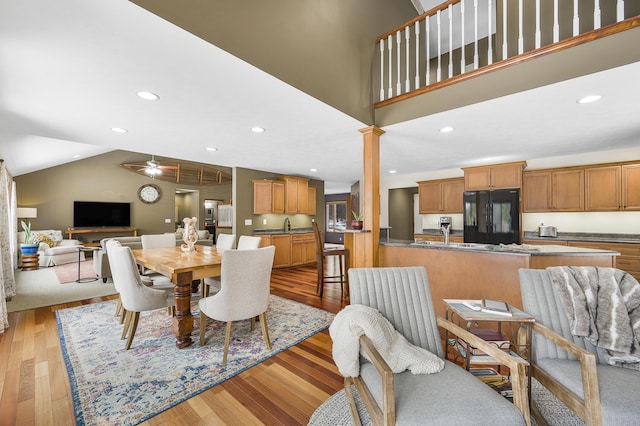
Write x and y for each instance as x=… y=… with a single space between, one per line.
x=336 y=216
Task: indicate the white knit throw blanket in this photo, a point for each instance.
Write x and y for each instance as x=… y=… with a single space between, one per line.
x=603 y=306
x=355 y=320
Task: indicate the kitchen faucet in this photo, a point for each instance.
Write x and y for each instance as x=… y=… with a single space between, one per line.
x=445 y=231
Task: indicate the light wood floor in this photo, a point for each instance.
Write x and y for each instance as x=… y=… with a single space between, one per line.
x=284 y=390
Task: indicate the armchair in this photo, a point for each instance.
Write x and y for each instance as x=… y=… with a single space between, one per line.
x=451 y=396
x=54 y=249
x=570 y=367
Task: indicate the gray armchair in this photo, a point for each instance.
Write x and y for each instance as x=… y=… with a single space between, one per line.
x=452 y=396
x=569 y=367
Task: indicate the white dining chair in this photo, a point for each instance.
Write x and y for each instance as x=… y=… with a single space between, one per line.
x=151 y=241
x=223 y=242
x=136 y=297
x=244 y=293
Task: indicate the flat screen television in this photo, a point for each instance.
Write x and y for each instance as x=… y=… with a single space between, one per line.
x=95 y=214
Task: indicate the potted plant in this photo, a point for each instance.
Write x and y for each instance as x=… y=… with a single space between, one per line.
x=356 y=223
x=30 y=245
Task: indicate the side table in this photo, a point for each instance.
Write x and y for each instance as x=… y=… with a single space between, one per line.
x=30 y=262
x=80 y=250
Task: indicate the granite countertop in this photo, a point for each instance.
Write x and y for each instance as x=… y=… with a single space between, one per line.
x=275 y=231
x=509 y=249
x=585 y=236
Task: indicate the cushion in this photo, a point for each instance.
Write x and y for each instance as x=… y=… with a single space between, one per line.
x=203 y=234
x=43 y=238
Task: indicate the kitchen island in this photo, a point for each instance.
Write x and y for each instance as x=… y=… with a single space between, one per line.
x=480 y=271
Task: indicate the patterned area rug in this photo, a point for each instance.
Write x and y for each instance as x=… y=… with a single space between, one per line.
x=112 y=386
x=68 y=273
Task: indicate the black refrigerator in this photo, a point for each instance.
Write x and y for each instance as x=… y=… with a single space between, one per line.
x=492 y=217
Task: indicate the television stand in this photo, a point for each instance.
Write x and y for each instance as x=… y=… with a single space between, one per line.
x=103 y=230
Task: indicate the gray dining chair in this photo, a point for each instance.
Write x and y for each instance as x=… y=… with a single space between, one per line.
x=244 y=293
x=452 y=396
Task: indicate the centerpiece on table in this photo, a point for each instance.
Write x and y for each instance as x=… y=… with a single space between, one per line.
x=190 y=235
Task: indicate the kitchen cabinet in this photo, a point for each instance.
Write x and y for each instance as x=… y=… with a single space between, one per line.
x=296 y=196
x=496 y=176
x=553 y=190
x=311 y=201
x=282 y=257
x=291 y=249
x=631 y=186
x=629 y=259
x=303 y=249
x=441 y=196
x=603 y=188
x=268 y=197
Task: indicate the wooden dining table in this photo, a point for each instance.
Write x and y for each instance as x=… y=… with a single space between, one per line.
x=184 y=268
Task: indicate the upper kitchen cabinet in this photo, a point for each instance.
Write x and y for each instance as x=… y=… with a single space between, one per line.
x=496 y=176
x=296 y=195
x=554 y=190
x=268 y=197
x=612 y=187
x=440 y=196
x=311 y=201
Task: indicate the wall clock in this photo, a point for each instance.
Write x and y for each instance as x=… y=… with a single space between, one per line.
x=149 y=193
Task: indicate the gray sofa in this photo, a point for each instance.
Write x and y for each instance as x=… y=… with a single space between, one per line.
x=101 y=261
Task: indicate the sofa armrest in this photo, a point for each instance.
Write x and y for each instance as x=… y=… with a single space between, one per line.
x=69 y=243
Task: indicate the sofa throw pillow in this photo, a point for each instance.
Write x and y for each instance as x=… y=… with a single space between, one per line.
x=42 y=238
x=203 y=235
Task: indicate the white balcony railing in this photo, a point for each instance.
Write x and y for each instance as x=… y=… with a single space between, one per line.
x=460 y=36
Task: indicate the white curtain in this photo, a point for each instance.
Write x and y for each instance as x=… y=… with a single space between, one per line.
x=7 y=235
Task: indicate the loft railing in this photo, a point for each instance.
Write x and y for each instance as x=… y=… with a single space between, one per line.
x=462 y=36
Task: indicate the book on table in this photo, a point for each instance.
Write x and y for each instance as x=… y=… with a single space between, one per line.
x=491 y=336
x=498 y=307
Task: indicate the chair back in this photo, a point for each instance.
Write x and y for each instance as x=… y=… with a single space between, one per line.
x=135 y=296
x=158 y=240
x=402 y=296
x=109 y=245
x=245 y=284
x=318 y=238
x=539 y=298
x=246 y=242
x=225 y=242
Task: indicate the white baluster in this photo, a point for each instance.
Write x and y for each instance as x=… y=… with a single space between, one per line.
x=417 y=32
x=390 y=48
x=462 y=55
x=407 y=36
x=490 y=51
x=382 y=70
x=399 y=74
x=476 y=59
x=439 y=70
x=504 y=29
x=520 y=28
x=538 y=35
x=576 y=19
x=556 y=25
x=450 y=11
x=427 y=42
x=597 y=21
x=620 y=10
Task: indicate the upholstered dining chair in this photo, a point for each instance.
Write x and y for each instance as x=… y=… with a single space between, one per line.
x=452 y=396
x=151 y=241
x=570 y=367
x=224 y=242
x=136 y=297
x=322 y=254
x=244 y=292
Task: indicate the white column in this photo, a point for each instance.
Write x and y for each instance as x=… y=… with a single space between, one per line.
x=489 y=14
x=450 y=10
x=504 y=29
x=576 y=19
x=439 y=70
x=538 y=36
x=399 y=75
x=417 y=32
x=597 y=21
x=427 y=42
x=556 y=25
x=390 y=48
x=382 y=70
x=462 y=55
x=520 y=28
x=407 y=36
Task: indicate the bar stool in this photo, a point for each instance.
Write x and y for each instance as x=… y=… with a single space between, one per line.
x=322 y=254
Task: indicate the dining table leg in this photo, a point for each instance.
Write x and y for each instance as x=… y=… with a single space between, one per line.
x=183 y=320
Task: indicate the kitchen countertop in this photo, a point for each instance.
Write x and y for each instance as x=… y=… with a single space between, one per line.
x=276 y=231
x=585 y=236
x=509 y=249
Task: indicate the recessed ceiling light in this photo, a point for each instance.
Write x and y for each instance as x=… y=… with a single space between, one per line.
x=589 y=99
x=446 y=129
x=76 y=156
x=392 y=172
x=313 y=170
x=257 y=129
x=148 y=96
x=119 y=130
x=212 y=149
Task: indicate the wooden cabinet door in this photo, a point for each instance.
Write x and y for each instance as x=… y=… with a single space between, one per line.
x=265 y=240
x=291 y=196
x=536 y=192
x=303 y=197
x=567 y=190
x=262 y=197
x=277 y=195
x=430 y=197
x=631 y=187
x=310 y=250
x=311 y=201
x=297 y=252
x=603 y=188
x=506 y=176
x=282 y=256
x=452 y=193
x=477 y=178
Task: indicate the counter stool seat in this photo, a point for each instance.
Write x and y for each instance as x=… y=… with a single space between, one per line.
x=322 y=254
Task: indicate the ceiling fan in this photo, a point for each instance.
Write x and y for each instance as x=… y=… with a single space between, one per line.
x=151 y=167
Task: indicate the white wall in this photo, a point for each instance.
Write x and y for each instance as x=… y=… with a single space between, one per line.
x=597 y=222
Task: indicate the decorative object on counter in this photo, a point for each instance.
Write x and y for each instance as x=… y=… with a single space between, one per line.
x=190 y=236
x=356 y=223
